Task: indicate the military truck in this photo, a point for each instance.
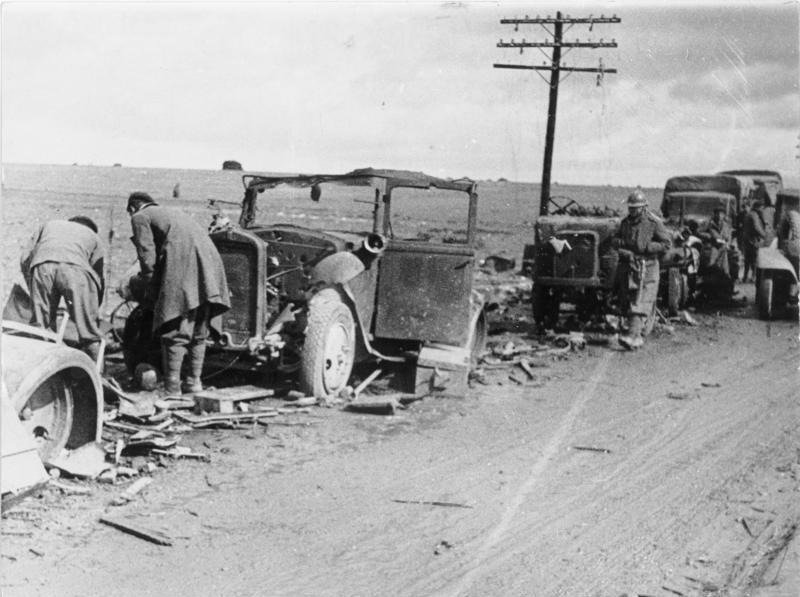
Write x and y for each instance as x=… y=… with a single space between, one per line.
x=688 y=203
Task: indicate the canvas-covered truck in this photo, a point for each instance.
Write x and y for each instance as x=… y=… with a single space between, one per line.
x=702 y=266
x=317 y=298
x=764 y=185
x=778 y=265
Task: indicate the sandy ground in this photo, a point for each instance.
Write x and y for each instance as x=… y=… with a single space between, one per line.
x=693 y=496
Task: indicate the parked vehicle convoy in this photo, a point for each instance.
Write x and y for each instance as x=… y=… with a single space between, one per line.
x=696 y=265
x=778 y=265
x=319 y=299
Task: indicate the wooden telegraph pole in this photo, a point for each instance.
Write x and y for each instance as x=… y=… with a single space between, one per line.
x=556 y=68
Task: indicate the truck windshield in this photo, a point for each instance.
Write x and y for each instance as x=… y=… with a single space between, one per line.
x=340 y=207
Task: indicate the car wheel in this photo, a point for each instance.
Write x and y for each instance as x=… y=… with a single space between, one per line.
x=329 y=347
x=47 y=415
x=478 y=340
x=764 y=295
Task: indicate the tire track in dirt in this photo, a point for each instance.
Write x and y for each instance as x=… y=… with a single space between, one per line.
x=551 y=448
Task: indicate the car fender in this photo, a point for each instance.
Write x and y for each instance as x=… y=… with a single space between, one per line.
x=338 y=268
x=27 y=363
x=770 y=258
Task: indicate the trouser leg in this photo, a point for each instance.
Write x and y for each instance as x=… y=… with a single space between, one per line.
x=175 y=338
x=197 y=347
x=642 y=305
x=44 y=296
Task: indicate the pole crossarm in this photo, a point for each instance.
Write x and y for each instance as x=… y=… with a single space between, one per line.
x=550 y=20
x=553 y=44
x=578 y=69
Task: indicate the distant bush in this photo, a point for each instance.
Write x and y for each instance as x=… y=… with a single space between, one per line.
x=231 y=165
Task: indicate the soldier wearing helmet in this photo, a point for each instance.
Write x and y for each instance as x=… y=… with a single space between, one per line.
x=640 y=240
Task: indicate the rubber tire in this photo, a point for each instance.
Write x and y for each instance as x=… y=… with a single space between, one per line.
x=55 y=390
x=764 y=296
x=546 y=305
x=478 y=343
x=138 y=343
x=676 y=290
x=325 y=311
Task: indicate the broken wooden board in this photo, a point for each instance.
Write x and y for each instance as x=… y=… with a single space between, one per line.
x=224 y=400
x=132 y=526
x=222 y=418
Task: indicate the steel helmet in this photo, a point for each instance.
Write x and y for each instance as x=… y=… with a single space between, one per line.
x=636 y=199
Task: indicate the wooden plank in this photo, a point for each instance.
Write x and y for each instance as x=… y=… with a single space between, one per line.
x=137 y=530
x=236 y=393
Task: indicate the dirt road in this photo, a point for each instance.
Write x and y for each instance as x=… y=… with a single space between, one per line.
x=692 y=488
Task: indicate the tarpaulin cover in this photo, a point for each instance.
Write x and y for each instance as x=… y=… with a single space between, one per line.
x=722 y=184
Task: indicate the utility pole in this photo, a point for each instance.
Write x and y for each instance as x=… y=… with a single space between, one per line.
x=556 y=68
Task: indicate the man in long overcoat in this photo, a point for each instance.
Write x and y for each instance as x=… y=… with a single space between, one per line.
x=754 y=234
x=185 y=282
x=640 y=240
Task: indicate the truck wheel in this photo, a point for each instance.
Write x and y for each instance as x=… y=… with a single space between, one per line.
x=47 y=415
x=546 y=305
x=676 y=290
x=329 y=347
x=764 y=295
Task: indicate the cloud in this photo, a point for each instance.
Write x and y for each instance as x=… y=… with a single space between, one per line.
x=755 y=83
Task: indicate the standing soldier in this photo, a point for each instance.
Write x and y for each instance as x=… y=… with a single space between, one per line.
x=754 y=234
x=718 y=235
x=66 y=259
x=185 y=282
x=641 y=238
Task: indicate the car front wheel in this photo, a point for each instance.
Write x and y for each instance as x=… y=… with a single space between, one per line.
x=329 y=347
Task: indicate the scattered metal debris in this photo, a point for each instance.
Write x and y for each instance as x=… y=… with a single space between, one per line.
x=433 y=503
x=592 y=449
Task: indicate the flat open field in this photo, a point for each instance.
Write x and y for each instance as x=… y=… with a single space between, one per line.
x=691 y=486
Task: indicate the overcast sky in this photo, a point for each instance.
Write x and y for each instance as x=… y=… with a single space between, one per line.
x=323 y=87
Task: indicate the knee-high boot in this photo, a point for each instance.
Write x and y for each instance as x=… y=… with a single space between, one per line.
x=197 y=355
x=172 y=360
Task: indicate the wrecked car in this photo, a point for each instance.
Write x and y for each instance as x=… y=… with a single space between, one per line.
x=356 y=282
x=778 y=265
x=572 y=261
x=55 y=390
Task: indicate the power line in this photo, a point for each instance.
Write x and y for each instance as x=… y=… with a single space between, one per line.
x=556 y=68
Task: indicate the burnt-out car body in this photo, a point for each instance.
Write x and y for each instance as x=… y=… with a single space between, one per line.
x=696 y=264
x=572 y=262
x=348 y=285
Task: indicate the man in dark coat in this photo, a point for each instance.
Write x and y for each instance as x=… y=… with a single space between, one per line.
x=185 y=282
x=754 y=234
x=66 y=259
x=640 y=240
x=723 y=253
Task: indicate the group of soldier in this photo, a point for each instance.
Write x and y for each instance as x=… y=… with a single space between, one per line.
x=181 y=274
x=642 y=238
